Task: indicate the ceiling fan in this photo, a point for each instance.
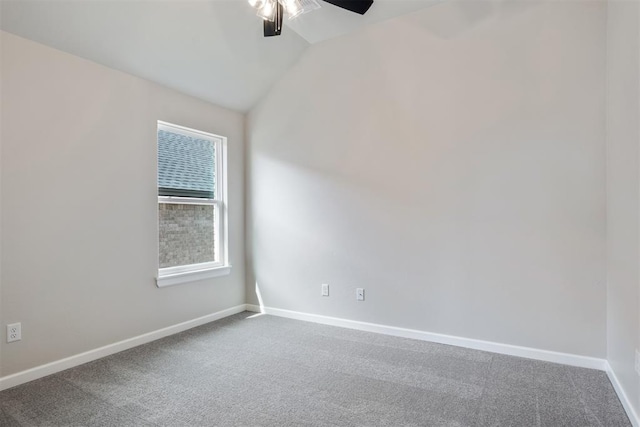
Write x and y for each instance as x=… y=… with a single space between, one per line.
x=273 y=11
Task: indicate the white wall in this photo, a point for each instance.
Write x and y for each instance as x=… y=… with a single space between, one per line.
x=623 y=193
x=79 y=205
x=451 y=162
x=1 y=104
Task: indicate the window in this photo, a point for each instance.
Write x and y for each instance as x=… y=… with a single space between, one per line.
x=192 y=231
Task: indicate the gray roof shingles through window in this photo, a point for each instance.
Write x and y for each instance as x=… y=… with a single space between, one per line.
x=185 y=163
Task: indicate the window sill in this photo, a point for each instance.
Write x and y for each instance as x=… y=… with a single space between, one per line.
x=191 y=276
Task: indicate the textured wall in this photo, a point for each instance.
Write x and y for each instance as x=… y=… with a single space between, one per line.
x=82 y=255
x=186 y=234
x=451 y=162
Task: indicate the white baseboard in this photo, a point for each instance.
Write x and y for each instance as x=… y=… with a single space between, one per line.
x=88 y=356
x=532 y=353
x=511 y=350
x=634 y=417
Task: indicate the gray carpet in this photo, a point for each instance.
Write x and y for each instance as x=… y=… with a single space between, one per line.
x=250 y=370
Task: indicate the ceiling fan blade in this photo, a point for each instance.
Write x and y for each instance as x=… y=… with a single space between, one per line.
x=357 y=6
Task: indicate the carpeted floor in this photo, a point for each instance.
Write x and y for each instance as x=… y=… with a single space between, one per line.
x=256 y=370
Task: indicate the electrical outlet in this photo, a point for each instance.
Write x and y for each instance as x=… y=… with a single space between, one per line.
x=325 y=290
x=637 y=362
x=360 y=294
x=14 y=332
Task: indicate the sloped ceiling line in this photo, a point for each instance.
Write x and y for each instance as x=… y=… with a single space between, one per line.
x=213 y=50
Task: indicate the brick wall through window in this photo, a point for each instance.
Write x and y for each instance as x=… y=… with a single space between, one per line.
x=186 y=234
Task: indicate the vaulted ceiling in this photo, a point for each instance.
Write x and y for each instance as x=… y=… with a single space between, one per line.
x=211 y=49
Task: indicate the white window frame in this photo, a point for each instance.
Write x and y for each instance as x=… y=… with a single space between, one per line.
x=170 y=276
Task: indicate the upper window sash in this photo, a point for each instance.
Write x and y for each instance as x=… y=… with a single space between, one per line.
x=186 y=175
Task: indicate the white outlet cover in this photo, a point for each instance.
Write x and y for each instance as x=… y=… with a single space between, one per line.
x=637 y=362
x=360 y=294
x=325 y=290
x=14 y=332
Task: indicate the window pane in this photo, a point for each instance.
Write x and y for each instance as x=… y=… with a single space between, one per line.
x=186 y=166
x=186 y=234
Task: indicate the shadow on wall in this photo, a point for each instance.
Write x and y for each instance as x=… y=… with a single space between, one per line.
x=451 y=166
x=331 y=229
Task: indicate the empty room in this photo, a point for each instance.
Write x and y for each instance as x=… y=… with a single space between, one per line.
x=320 y=213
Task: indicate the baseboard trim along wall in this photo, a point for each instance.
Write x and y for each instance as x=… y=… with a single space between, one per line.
x=88 y=356
x=634 y=417
x=531 y=353
x=511 y=350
